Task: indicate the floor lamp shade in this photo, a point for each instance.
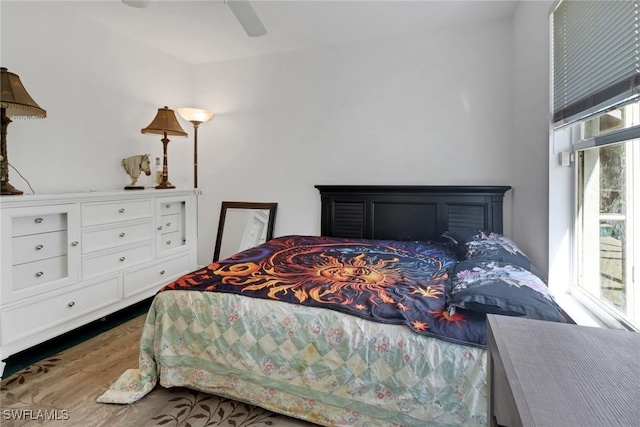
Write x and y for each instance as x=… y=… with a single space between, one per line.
x=195 y=116
x=15 y=101
x=165 y=123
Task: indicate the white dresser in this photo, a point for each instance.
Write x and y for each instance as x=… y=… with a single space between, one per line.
x=69 y=259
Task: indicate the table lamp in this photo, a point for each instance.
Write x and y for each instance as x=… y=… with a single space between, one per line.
x=165 y=123
x=14 y=102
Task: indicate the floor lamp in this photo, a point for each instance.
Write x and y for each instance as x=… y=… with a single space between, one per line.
x=195 y=116
x=14 y=102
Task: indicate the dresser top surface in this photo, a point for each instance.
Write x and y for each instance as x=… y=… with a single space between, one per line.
x=568 y=374
x=90 y=195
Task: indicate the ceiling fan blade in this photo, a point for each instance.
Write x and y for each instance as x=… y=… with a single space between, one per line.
x=137 y=3
x=247 y=17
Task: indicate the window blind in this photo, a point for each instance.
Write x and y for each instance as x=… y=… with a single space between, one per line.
x=596 y=56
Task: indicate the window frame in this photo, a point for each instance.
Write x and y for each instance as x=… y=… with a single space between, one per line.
x=605 y=314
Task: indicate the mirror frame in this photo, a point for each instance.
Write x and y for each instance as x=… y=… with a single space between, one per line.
x=271 y=207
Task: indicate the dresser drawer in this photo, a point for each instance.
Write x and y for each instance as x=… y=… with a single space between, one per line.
x=36 y=247
x=28 y=319
x=167 y=208
x=116 y=235
x=34 y=224
x=95 y=265
x=154 y=276
x=38 y=273
x=171 y=240
x=109 y=212
x=170 y=223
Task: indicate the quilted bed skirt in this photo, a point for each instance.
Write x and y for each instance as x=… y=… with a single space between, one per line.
x=319 y=365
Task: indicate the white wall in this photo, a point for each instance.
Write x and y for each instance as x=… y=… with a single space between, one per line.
x=99 y=90
x=530 y=156
x=431 y=109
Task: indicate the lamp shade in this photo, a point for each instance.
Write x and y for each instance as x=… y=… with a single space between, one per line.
x=15 y=98
x=165 y=122
x=195 y=114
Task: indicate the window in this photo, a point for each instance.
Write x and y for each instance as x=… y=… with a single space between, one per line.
x=608 y=195
x=596 y=96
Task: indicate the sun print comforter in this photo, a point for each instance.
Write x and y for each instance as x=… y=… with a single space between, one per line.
x=381 y=280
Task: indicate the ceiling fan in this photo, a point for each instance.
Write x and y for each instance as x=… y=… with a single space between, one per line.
x=242 y=9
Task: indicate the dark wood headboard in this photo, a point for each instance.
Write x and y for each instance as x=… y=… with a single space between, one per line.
x=408 y=212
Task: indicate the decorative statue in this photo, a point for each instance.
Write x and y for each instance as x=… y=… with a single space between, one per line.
x=133 y=166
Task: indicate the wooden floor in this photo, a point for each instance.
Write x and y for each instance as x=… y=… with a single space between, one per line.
x=62 y=389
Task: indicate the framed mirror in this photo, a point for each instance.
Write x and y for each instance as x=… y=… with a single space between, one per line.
x=243 y=225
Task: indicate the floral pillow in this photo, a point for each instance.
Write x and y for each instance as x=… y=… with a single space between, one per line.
x=501 y=288
x=460 y=236
x=486 y=245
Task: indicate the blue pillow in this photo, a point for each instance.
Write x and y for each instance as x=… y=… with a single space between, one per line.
x=500 y=288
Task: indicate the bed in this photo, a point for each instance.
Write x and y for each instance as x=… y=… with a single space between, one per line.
x=372 y=323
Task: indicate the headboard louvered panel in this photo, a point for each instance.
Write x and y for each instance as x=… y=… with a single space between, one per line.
x=416 y=212
x=467 y=216
x=348 y=219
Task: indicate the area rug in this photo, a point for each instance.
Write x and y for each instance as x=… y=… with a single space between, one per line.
x=61 y=390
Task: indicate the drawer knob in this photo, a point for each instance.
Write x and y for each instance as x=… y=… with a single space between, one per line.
x=159 y=227
x=121 y=234
x=39 y=247
x=121 y=210
x=39 y=274
x=122 y=258
x=168 y=224
x=74 y=243
x=167 y=206
x=38 y=220
x=168 y=242
x=161 y=271
x=71 y=304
